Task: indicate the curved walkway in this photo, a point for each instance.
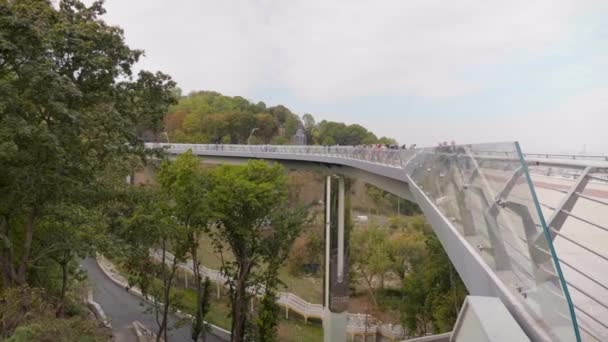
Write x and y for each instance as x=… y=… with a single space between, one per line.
x=122 y=307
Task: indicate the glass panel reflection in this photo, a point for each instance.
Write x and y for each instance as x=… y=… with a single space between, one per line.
x=484 y=190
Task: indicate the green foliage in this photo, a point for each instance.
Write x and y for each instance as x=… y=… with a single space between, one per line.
x=286 y=224
x=146 y=225
x=370 y=256
x=309 y=121
x=243 y=199
x=254 y=223
x=433 y=291
x=209 y=117
x=27 y=315
x=337 y=133
x=246 y=205
x=69 y=108
x=384 y=199
x=267 y=321
x=185 y=187
x=203 y=302
x=65 y=330
x=387 y=141
x=69 y=231
x=153 y=225
x=19 y=306
x=405 y=250
x=307 y=250
x=72 y=120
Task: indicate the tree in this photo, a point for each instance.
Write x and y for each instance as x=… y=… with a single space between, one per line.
x=64 y=114
x=267 y=127
x=309 y=121
x=309 y=126
x=405 y=251
x=70 y=231
x=199 y=328
x=387 y=141
x=433 y=291
x=330 y=133
x=210 y=117
x=247 y=205
x=286 y=225
x=171 y=235
x=370 y=258
x=153 y=227
x=185 y=186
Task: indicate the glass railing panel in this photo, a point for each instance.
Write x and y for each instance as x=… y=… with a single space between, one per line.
x=582 y=199
x=486 y=192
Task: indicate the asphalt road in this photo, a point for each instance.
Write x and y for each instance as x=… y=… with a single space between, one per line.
x=122 y=308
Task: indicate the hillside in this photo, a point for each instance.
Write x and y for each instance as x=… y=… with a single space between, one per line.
x=210 y=117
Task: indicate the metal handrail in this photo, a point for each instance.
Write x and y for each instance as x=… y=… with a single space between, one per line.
x=384 y=156
x=568 y=156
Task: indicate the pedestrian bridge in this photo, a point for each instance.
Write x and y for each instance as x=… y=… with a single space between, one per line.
x=529 y=229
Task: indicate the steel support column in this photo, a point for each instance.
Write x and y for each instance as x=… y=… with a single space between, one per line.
x=335 y=299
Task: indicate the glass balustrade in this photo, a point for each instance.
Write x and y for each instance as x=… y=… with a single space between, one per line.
x=489 y=198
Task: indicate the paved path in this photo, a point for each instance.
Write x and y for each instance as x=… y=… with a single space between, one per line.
x=122 y=307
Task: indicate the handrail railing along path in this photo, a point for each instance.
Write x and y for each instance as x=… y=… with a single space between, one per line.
x=357 y=323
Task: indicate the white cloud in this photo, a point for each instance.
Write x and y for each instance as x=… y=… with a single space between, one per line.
x=406 y=47
x=330 y=52
x=324 y=50
x=581 y=125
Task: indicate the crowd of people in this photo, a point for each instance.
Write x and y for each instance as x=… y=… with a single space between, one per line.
x=387 y=146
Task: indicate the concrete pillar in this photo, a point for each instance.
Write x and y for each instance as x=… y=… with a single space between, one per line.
x=335 y=299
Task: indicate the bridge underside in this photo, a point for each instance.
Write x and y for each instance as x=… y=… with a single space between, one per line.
x=392 y=185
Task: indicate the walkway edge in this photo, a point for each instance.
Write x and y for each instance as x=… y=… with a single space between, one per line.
x=97 y=310
x=214 y=329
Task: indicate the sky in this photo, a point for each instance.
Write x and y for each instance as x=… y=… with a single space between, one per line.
x=420 y=71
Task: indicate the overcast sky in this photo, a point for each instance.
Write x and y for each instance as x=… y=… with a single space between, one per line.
x=420 y=71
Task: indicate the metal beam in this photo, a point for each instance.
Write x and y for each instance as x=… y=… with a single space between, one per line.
x=557 y=219
x=390 y=184
x=596 y=200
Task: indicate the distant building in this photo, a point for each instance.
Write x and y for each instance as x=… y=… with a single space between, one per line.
x=299 y=138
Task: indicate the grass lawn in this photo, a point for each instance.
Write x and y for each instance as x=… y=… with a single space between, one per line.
x=308 y=288
x=207 y=255
x=219 y=309
x=297 y=331
x=292 y=330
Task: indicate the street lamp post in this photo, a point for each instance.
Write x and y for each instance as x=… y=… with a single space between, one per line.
x=251 y=135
